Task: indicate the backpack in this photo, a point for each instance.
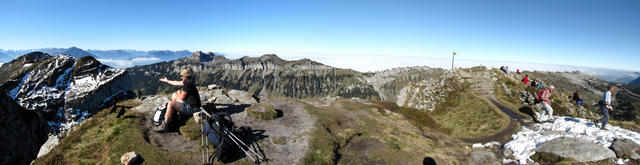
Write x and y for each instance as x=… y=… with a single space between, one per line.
x=538 y=100
x=158 y=116
x=215 y=129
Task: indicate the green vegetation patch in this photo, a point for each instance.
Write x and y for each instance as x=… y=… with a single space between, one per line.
x=418 y=118
x=103 y=138
x=468 y=116
x=191 y=130
x=356 y=135
x=262 y=111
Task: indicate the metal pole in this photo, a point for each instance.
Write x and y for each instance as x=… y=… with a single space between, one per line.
x=453 y=59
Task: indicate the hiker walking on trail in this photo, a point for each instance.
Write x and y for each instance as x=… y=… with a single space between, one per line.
x=185 y=100
x=545 y=97
x=605 y=107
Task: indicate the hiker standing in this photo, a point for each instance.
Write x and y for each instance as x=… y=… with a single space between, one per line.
x=185 y=100
x=545 y=96
x=605 y=107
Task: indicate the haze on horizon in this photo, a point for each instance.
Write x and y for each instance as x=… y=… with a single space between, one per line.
x=601 y=34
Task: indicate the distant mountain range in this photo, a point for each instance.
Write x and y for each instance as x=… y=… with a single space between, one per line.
x=126 y=58
x=120 y=58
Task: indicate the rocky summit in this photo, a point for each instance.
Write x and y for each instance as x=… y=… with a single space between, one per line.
x=57 y=91
x=305 y=112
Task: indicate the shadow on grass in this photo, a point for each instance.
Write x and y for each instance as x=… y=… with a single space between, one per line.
x=528 y=111
x=138 y=160
x=279 y=113
x=428 y=161
x=231 y=108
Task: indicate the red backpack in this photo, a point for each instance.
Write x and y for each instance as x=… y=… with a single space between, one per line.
x=540 y=94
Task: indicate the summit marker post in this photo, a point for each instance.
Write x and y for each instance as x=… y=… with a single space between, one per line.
x=452 y=59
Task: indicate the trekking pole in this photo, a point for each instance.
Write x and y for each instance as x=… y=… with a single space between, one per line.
x=202 y=142
x=245 y=145
x=239 y=146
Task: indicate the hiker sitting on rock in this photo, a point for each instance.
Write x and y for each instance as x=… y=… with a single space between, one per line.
x=578 y=98
x=186 y=100
x=545 y=97
x=525 y=80
x=605 y=107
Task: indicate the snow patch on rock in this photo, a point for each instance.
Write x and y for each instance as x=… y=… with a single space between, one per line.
x=525 y=141
x=82 y=85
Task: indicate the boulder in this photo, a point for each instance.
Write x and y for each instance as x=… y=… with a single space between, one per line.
x=128 y=158
x=506 y=89
x=483 y=157
x=241 y=96
x=538 y=107
x=574 y=148
x=622 y=146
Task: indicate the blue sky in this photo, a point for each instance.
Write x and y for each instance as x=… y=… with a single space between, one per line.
x=582 y=32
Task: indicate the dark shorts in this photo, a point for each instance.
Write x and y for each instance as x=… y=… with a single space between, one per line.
x=188 y=109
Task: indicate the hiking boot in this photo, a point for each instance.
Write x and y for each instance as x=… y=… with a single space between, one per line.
x=162 y=127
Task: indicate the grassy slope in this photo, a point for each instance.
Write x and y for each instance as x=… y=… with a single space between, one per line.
x=467 y=115
x=472 y=116
x=103 y=138
x=352 y=133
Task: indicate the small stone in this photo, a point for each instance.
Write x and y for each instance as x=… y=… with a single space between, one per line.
x=507 y=152
x=570 y=111
x=128 y=158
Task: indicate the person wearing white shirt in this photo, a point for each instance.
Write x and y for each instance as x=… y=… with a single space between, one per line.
x=605 y=107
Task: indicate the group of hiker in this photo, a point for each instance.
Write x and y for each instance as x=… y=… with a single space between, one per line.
x=505 y=69
x=532 y=83
x=547 y=111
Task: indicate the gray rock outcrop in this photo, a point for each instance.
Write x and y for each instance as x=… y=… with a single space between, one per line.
x=482 y=157
x=267 y=75
x=62 y=88
x=578 y=149
x=622 y=147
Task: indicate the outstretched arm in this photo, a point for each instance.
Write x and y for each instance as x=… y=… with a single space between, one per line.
x=176 y=83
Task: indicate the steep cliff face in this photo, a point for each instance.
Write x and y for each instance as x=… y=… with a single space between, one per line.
x=265 y=75
x=63 y=89
x=23 y=132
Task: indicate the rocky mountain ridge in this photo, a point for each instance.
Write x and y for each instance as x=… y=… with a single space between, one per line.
x=265 y=75
x=62 y=88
